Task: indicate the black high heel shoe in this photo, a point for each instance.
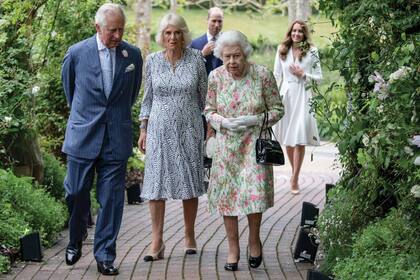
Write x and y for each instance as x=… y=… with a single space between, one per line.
x=255 y=262
x=232 y=266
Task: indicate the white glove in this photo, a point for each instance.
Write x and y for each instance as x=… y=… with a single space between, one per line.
x=247 y=121
x=231 y=125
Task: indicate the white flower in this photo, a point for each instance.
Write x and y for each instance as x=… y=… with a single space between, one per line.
x=415 y=140
x=365 y=140
x=408 y=150
x=417 y=161
x=381 y=87
x=7 y=119
x=400 y=73
x=382 y=38
x=35 y=90
x=381 y=108
x=356 y=78
x=371 y=22
x=124 y=53
x=53 y=34
x=382 y=96
x=415 y=191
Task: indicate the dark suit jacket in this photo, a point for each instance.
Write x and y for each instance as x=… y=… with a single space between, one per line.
x=91 y=112
x=212 y=62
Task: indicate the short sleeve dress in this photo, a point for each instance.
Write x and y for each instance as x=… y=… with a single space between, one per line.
x=173 y=103
x=238 y=185
x=298 y=125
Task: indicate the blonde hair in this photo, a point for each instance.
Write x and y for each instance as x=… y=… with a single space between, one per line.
x=177 y=21
x=287 y=42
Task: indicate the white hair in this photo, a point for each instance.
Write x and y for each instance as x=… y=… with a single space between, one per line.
x=230 y=38
x=105 y=9
x=177 y=21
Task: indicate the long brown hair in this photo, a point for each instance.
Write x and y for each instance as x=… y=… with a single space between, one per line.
x=287 y=42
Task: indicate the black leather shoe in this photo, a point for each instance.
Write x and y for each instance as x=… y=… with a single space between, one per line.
x=231 y=266
x=107 y=268
x=255 y=262
x=73 y=254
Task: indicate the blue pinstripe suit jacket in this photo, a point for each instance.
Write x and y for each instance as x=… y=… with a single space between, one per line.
x=90 y=111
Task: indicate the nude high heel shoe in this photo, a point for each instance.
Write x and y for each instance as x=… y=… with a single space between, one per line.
x=155 y=256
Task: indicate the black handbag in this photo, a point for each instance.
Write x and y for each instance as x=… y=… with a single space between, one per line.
x=268 y=151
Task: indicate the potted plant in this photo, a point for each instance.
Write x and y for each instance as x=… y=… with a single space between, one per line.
x=134 y=177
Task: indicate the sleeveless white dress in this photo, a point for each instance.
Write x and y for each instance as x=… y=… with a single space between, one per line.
x=298 y=125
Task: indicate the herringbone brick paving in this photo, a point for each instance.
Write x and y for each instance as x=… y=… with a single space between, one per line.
x=278 y=233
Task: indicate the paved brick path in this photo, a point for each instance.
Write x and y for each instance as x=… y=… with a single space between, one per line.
x=278 y=233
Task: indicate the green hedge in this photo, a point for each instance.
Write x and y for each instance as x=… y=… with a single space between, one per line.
x=54 y=174
x=25 y=208
x=386 y=250
x=368 y=229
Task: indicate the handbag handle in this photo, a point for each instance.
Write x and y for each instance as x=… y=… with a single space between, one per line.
x=267 y=128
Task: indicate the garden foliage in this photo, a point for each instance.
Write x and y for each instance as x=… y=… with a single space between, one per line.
x=25 y=208
x=377 y=53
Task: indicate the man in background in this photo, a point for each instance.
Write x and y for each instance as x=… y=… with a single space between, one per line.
x=206 y=42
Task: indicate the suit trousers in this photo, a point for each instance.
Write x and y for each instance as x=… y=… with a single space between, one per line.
x=110 y=183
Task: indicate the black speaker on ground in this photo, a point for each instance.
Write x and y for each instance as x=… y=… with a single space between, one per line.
x=327 y=188
x=309 y=214
x=30 y=247
x=133 y=194
x=306 y=247
x=317 y=275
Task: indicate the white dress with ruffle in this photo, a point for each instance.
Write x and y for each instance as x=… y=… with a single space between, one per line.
x=298 y=125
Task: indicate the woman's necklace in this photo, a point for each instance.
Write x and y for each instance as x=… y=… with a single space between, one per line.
x=172 y=61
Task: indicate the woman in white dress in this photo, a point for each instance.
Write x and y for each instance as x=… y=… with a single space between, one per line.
x=296 y=66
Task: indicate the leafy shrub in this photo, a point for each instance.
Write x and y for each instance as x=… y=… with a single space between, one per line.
x=37 y=209
x=340 y=219
x=376 y=55
x=385 y=250
x=54 y=174
x=12 y=226
x=4 y=264
x=135 y=169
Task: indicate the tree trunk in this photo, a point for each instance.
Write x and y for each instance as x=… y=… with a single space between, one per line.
x=143 y=23
x=291 y=10
x=173 y=6
x=26 y=153
x=299 y=9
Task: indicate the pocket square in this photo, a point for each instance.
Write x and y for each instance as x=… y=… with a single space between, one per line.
x=130 y=68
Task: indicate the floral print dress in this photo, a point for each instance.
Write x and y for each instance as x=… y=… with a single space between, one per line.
x=238 y=185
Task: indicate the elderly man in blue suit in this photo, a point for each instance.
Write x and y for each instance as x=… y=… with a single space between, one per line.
x=206 y=42
x=101 y=78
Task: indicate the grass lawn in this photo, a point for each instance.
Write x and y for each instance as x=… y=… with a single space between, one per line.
x=270 y=27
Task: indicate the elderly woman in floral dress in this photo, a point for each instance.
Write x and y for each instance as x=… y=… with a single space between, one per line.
x=239 y=93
